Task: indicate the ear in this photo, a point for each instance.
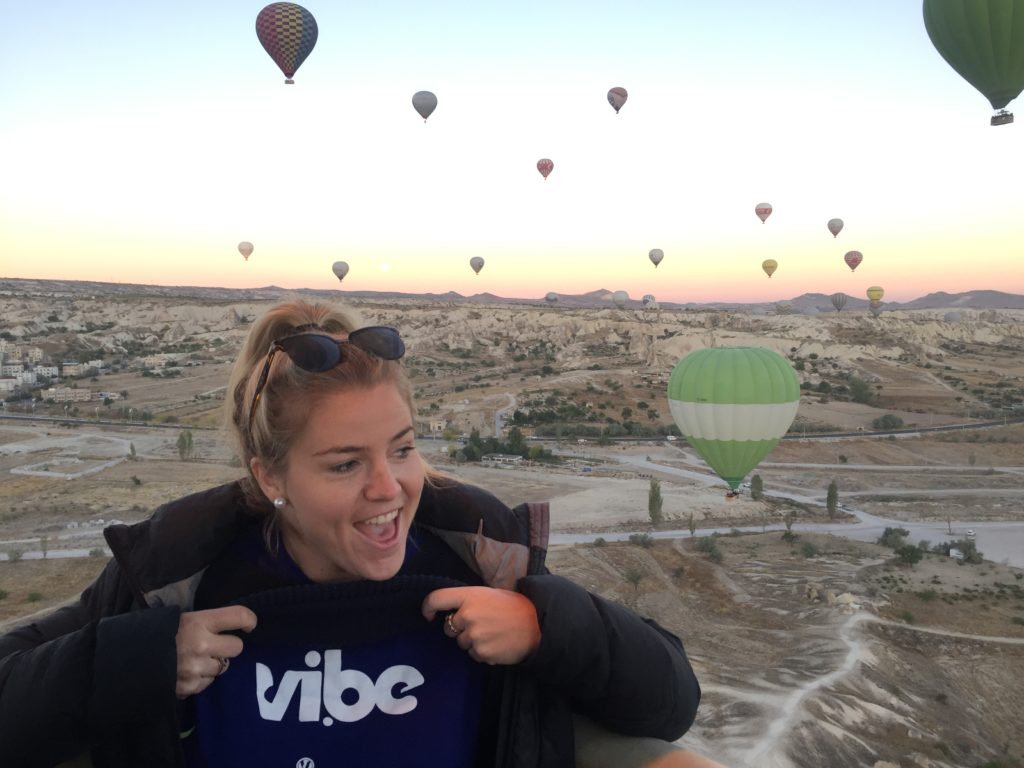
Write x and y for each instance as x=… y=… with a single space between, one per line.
x=268 y=482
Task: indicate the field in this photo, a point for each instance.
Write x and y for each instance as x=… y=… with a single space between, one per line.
x=820 y=650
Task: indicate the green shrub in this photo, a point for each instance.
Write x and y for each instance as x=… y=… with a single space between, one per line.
x=908 y=554
x=709 y=546
x=808 y=550
x=908 y=617
x=644 y=540
x=3 y=594
x=35 y=597
x=97 y=552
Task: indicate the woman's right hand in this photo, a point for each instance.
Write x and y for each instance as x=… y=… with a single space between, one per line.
x=203 y=653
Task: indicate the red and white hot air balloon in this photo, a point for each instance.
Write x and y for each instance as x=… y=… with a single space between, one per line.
x=545 y=167
x=853 y=259
x=763 y=211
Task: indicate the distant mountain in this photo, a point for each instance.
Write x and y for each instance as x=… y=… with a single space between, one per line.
x=981 y=299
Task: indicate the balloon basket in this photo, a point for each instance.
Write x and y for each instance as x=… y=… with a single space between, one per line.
x=1002 y=117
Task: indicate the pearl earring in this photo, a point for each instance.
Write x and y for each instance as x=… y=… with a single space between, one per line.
x=279 y=502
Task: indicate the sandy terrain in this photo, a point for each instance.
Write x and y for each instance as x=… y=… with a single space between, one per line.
x=839 y=658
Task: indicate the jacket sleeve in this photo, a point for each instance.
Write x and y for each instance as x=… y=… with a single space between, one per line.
x=625 y=672
x=76 y=674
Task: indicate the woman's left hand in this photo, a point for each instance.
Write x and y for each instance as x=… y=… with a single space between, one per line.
x=496 y=626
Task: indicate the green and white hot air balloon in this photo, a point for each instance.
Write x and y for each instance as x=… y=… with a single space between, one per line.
x=733 y=405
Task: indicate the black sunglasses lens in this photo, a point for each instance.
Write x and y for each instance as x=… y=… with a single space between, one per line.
x=379 y=340
x=312 y=352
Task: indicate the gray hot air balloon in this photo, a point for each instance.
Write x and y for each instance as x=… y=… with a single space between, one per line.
x=424 y=102
x=477 y=264
x=340 y=269
x=551 y=297
x=811 y=311
x=835 y=226
x=617 y=97
x=620 y=298
x=839 y=301
x=783 y=308
x=875 y=308
x=952 y=316
x=649 y=301
x=656 y=255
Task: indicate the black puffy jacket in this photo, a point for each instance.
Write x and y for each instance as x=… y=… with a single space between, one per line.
x=98 y=676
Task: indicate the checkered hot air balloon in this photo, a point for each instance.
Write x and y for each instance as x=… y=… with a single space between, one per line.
x=288 y=33
x=733 y=405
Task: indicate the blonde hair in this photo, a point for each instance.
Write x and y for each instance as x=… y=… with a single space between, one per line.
x=290 y=393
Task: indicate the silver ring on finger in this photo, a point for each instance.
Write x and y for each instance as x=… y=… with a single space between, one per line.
x=450 y=627
x=224 y=664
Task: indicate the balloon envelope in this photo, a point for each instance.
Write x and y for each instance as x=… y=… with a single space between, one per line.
x=853 y=259
x=340 y=269
x=545 y=167
x=875 y=293
x=288 y=33
x=551 y=297
x=763 y=211
x=733 y=405
x=649 y=300
x=477 y=264
x=835 y=226
x=424 y=102
x=983 y=40
x=656 y=255
x=839 y=301
x=620 y=298
x=617 y=97
x=952 y=316
x=245 y=248
x=769 y=266
x=875 y=307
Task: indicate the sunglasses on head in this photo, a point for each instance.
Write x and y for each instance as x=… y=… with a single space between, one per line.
x=317 y=352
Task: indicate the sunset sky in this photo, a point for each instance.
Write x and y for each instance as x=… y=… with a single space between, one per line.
x=140 y=142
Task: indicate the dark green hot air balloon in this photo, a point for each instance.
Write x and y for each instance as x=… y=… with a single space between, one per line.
x=983 y=40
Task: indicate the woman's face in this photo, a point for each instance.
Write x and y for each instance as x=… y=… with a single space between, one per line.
x=352 y=486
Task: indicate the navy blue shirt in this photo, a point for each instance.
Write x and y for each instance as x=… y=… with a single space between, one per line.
x=338 y=674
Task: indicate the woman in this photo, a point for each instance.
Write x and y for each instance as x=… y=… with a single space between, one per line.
x=343 y=600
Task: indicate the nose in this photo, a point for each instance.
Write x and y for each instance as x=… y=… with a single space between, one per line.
x=381 y=484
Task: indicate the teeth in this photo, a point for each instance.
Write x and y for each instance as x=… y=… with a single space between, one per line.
x=387 y=517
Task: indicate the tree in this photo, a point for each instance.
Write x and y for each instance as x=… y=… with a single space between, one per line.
x=893 y=537
x=908 y=554
x=516 y=441
x=655 y=502
x=692 y=525
x=185 y=447
x=131 y=452
x=860 y=391
x=888 y=421
x=756 y=487
x=832 y=499
x=44 y=546
x=634 y=577
x=971 y=458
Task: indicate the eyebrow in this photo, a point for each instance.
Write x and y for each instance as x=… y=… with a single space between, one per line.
x=356 y=448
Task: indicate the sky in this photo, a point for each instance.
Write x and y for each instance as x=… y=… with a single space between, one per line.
x=141 y=142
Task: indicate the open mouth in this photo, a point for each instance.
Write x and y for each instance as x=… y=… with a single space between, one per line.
x=382 y=530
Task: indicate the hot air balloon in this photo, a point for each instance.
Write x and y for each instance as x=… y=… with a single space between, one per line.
x=288 y=33
x=835 y=226
x=839 y=301
x=811 y=311
x=769 y=266
x=875 y=293
x=763 y=211
x=983 y=40
x=424 y=102
x=875 y=307
x=783 y=308
x=853 y=259
x=649 y=301
x=245 y=248
x=340 y=269
x=551 y=297
x=656 y=255
x=545 y=167
x=617 y=97
x=477 y=264
x=952 y=316
x=620 y=298
x=733 y=404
